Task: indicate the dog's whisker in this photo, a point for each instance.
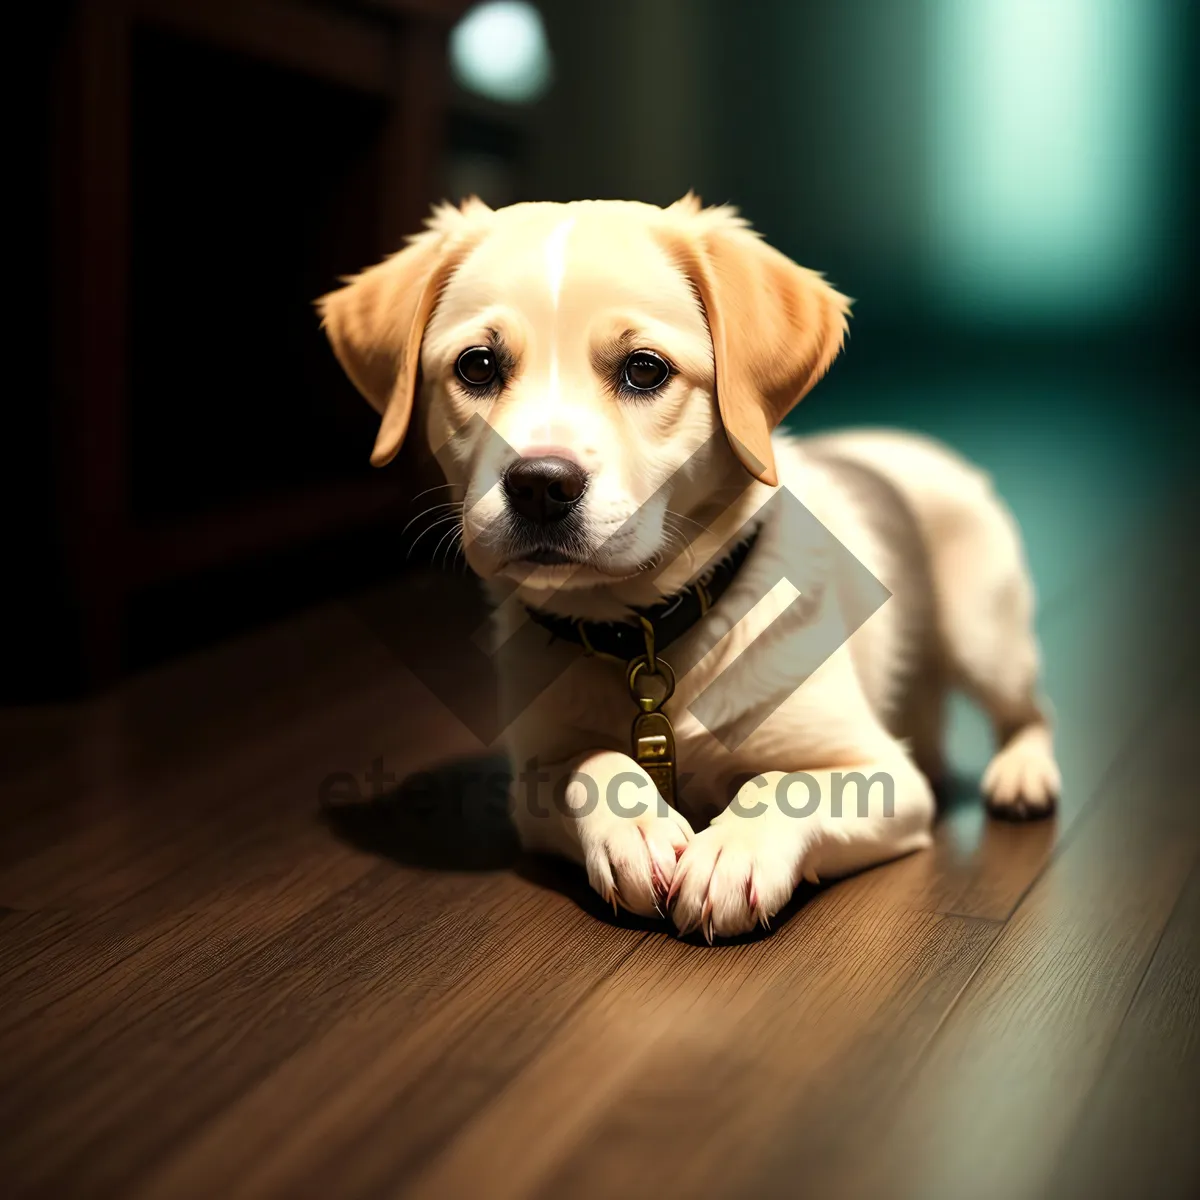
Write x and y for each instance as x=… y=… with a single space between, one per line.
x=679 y=548
x=453 y=517
x=454 y=532
x=436 y=488
x=678 y=516
x=453 y=550
x=425 y=512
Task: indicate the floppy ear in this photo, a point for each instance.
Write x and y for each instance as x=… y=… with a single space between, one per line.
x=376 y=322
x=776 y=327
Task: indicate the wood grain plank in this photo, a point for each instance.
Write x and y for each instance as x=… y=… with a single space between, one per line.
x=395 y=1086
x=169 y=771
x=1137 y=1136
x=993 y=1103
x=173 y=722
x=108 y=1101
x=107 y=971
x=664 y=1080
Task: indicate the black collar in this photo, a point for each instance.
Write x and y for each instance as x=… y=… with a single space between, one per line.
x=671 y=618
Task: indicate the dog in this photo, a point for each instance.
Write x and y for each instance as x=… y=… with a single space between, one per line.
x=602 y=383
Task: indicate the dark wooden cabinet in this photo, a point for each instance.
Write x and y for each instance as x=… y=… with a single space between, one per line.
x=215 y=166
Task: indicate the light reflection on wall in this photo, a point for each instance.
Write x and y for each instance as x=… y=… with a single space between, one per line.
x=1048 y=154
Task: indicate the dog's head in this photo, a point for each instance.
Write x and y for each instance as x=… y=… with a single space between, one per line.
x=574 y=362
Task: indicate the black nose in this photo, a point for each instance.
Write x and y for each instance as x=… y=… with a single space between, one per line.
x=544 y=490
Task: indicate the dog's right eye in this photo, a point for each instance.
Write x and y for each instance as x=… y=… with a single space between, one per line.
x=476 y=367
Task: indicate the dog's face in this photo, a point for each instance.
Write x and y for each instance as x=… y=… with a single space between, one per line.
x=569 y=377
x=575 y=362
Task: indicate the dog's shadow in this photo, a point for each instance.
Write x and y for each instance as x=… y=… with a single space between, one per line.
x=450 y=817
x=454 y=817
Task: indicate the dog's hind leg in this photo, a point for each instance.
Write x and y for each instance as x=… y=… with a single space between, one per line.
x=921 y=725
x=984 y=604
x=985 y=617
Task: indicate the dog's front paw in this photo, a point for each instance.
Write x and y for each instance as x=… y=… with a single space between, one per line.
x=735 y=875
x=631 y=861
x=1022 y=782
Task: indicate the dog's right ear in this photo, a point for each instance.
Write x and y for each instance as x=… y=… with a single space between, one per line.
x=377 y=321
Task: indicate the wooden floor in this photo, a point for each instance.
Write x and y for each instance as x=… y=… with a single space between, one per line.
x=209 y=986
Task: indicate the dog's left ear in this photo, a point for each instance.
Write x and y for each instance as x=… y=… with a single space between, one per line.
x=776 y=327
x=377 y=321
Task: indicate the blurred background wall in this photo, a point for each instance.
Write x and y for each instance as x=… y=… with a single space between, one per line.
x=979 y=166
x=1007 y=187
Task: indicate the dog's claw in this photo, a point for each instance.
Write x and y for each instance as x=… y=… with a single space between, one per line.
x=673 y=891
x=658 y=881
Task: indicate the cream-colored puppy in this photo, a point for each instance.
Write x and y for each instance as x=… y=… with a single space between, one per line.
x=601 y=382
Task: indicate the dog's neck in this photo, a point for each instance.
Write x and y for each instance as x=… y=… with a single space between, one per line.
x=660 y=624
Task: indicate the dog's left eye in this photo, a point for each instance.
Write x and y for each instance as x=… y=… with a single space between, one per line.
x=645 y=371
